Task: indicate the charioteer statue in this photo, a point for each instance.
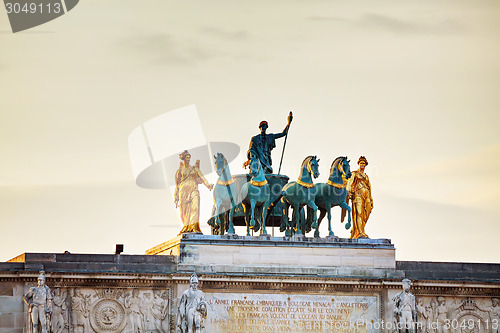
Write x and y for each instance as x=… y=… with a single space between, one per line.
x=262 y=144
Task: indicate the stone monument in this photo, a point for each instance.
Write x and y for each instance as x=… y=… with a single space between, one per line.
x=405 y=313
x=39 y=300
x=256 y=284
x=192 y=308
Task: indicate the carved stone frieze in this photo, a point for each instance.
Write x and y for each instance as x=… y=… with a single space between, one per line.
x=110 y=310
x=448 y=314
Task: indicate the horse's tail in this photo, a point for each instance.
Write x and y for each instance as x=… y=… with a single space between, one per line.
x=272 y=205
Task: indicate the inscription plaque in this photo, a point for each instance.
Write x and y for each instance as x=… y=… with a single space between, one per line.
x=231 y=312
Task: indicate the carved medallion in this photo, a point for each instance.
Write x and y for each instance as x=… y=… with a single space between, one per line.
x=108 y=316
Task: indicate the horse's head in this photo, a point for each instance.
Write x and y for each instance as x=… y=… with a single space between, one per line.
x=313 y=166
x=254 y=165
x=346 y=168
x=220 y=163
x=341 y=168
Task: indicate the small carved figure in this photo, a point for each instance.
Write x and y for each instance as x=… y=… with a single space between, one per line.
x=39 y=301
x=262 y=144
x=79 y=311
x=133 y=305
x=186 y=193
x=147 y=313
x=59 y=311
x=442 y=315
x=428 y=313
x=158 y=311
x=494 y=312
x=405 y=313
x=192 y=308
x=164 y=323
x=433 y=316
x=360 y=192
x=422 y=315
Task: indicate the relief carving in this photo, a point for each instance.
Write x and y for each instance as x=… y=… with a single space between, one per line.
x=108 y=316
x=133 y=308
x=110 y=310
x=80 y=312
x=457 y=315
x=159 y=311
x=493 y=314
x=59 y=321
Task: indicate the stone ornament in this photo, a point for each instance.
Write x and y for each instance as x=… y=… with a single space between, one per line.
x=192 y=309
x=108 y=316
x=405 y=313
x=39 y=301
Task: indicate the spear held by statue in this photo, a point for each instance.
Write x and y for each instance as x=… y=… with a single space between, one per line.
x=290 y=118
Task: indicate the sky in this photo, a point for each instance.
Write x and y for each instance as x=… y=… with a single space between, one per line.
x=413 y=86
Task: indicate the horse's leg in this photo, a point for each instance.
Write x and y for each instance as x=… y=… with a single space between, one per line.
x=211 y=222
x=223 y=218
x=315 y=222
x=322 y=214
x=265 y=206
x=226 y=219
x=218 y=203
x=252 y=213
x=329 y=211
x=302 y=220
x=231 y=214
x=344 y=205
x=284 y=218
x=247 y=217
x=296 y=219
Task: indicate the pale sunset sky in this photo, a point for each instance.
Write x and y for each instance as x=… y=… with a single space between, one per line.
x=412 y=85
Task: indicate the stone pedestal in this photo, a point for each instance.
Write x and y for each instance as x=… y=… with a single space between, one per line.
x=282 y=255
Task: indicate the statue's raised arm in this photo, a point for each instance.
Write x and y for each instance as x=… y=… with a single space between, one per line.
x=262 y=144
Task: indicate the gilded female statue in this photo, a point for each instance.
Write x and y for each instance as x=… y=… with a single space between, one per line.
x=186 y=193
x=360 y=192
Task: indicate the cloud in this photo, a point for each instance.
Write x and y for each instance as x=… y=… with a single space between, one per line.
x=397 y=26
x=229 y=35
x=166 y=49
x=328 y=18
x=378 y=22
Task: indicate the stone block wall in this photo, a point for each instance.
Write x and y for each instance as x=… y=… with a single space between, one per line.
x=12 y=310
